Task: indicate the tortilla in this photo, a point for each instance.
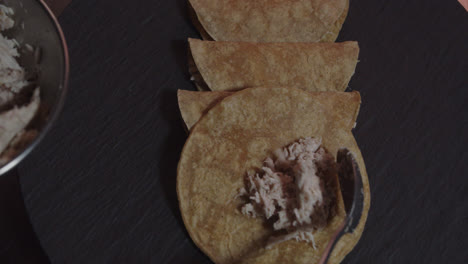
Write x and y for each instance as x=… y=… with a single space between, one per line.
x=196 y=23
x=195 y=74
x=333 y=33
x=193 y=105
x=236 y=135
x=269 y=21
x=228 y=66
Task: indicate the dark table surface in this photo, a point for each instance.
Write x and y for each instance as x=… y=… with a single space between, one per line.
x=101 y=186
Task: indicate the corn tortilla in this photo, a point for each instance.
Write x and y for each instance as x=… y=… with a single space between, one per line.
x=229 y=66
x=236 y=135
x=269 y=20
x=196 y=77
x=193 y=105
x=333 y=33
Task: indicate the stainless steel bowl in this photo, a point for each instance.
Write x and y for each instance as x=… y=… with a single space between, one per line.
x=41 y=29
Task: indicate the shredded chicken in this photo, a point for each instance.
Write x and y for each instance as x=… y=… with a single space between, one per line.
x=14 y=118
x=287 y=189
x=12 y=76
x=14 y=121
x=5 y=21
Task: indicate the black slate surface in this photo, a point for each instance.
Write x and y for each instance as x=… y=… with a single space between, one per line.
x=101 y=186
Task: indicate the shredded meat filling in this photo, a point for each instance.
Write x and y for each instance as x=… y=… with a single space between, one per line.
x=293 y=190
x=19 y=98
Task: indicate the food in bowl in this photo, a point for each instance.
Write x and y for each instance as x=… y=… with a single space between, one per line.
x=19 y=94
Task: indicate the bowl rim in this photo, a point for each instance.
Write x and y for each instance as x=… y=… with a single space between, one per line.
x=57 y=108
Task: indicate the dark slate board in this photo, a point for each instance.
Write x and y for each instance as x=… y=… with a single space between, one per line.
x=101 y=187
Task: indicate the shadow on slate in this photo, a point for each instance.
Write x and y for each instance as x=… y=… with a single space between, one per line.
x=172 y=149
x=182 y=5
x=180 y=50
x=18 y=243
x=177 y=136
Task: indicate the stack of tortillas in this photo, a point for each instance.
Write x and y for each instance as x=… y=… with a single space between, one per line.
x=272 y=76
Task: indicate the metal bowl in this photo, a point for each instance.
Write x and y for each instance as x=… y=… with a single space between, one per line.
x=41 y=29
